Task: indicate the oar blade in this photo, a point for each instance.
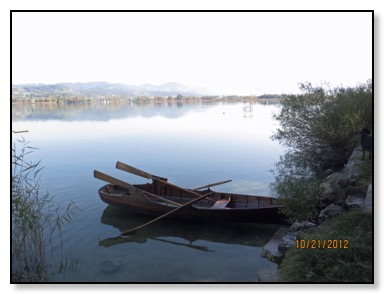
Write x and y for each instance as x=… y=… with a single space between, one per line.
x=133 y=170
x=107 y=178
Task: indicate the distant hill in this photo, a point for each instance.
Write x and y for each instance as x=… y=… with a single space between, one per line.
x=100 y=89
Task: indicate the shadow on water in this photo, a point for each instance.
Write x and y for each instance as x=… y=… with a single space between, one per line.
x=174 y=230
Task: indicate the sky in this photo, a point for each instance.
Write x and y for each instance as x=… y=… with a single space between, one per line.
x=242 y=53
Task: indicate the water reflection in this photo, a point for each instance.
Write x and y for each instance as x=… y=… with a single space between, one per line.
x=105 y=112
x=99 y=111
x=192 y=144
x=183 y=232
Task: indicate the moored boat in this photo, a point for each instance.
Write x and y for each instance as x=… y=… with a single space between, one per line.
x=160 y=197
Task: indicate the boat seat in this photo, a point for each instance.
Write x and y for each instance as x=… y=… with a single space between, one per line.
x=222 y=202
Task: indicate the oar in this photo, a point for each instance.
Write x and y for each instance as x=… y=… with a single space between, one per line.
x=164 y=215
x=138 y=172
x=111 y=242
x=109 y=179
x=128 y=168
x=211 y=185
x=122 y=184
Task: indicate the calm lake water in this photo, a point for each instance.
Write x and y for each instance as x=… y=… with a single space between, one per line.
x=191 y=144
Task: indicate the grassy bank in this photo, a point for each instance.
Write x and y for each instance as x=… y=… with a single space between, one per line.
x=352 y=263
x=352 y=259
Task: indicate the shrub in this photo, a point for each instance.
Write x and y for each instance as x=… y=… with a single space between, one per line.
x=321 y=127
x=299 y=191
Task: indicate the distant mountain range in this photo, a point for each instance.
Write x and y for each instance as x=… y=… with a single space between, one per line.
x=95 y=89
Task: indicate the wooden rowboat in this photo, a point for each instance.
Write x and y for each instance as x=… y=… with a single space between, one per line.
x=160 y=197
x=218 y=207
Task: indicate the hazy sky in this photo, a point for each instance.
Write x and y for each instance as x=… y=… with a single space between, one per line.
x=228 y=53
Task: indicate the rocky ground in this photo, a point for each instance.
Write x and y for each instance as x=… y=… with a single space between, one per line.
x=344 y=181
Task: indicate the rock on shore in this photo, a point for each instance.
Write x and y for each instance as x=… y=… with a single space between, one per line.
x=344 y=181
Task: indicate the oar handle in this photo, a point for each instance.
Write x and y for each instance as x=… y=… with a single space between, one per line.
x=211 y=185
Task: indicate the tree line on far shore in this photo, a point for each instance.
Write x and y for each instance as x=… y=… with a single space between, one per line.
x=63 y=99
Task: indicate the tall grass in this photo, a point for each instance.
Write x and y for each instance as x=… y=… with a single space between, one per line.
x=36 y=220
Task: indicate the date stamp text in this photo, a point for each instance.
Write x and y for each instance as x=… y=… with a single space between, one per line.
x=322 y=244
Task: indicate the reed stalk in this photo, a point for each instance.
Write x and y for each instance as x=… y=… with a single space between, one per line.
x=36 y=219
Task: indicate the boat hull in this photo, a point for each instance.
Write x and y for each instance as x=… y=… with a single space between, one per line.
x=138 y=198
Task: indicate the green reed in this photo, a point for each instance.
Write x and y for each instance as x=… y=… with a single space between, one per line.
x=36 y=221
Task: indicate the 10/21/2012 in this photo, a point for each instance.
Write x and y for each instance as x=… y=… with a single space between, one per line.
x=321 y=244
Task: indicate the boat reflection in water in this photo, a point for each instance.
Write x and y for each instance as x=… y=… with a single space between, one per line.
x=184 y=232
